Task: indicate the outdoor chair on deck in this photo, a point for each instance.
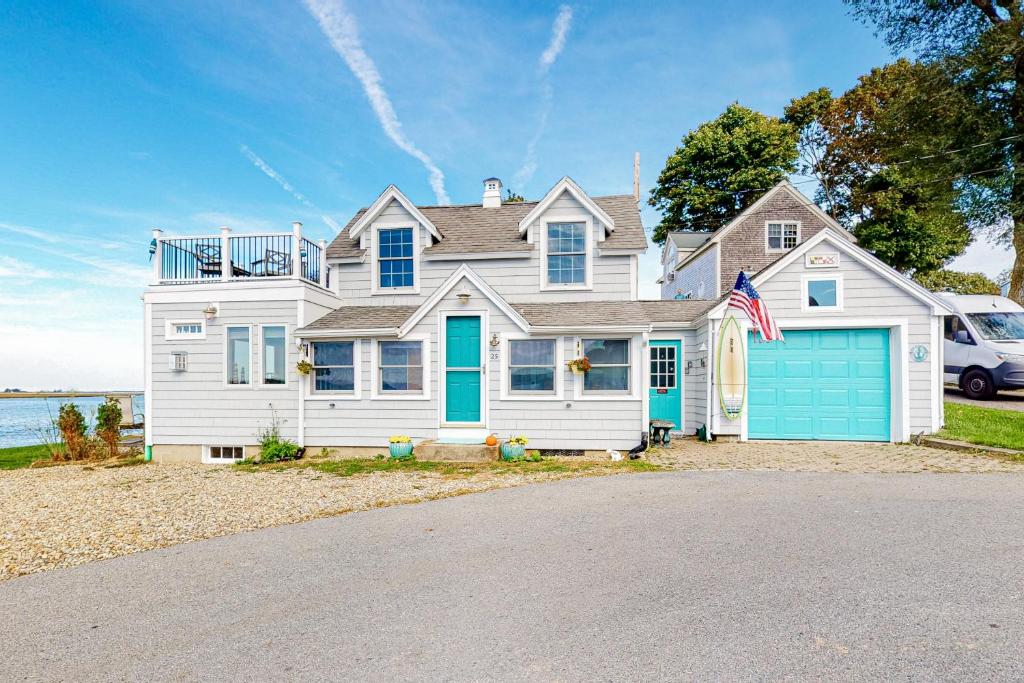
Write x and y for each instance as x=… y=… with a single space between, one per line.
x=129 y=418
x=208 y=258
x=273 y=264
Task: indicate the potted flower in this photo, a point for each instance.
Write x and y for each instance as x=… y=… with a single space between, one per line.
x=304 y=367
x=579 y=365
x=400 y=446
x=514 y=447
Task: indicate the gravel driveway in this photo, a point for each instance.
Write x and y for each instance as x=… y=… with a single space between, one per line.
x=681 y=575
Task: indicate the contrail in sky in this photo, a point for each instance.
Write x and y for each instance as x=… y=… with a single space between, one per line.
x=559 y=32
x=259 y=163
x=340 y=27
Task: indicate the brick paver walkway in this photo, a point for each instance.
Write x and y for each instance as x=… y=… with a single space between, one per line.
x=822 y=456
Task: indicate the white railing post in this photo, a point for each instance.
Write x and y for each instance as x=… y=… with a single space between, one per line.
x=323 y=264
x=158 y=255
x=297 y=250
x=225 y=253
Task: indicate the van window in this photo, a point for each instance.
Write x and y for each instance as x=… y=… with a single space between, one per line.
x=953 y=325
x=1002 y=326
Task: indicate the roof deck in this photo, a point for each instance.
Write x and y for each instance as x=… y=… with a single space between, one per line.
x=225 y=257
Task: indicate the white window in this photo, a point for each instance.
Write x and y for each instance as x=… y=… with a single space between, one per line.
x=185 y=329
x=531 y=366
x=822 y=293
x=223 y=454
x=610 y=370
x=567 y=253
x=238 y=355
x=400 y=368
x=334 y=368
x=782 y=236
x=274 y=354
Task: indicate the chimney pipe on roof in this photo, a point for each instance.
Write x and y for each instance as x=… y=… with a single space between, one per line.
x=492 y=193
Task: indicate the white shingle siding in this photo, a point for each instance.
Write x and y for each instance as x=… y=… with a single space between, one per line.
x=695 y=381
x=689 y=278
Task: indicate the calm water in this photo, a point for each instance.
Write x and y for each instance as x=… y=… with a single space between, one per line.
x=22 y=419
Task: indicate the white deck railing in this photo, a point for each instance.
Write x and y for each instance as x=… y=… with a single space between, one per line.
x=226 y=257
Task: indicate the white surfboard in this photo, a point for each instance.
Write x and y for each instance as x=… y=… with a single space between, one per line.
x=732 y=368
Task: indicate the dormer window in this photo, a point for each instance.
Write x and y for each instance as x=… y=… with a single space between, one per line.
x=782 y=236
x=566 y=255
x=396 y=258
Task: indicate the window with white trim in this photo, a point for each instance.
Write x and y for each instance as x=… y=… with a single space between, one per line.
x=400 y=367
x=216 y=454
x=823 y=293
x=274 y=354
x=395 y=259
x=186 y=329
x=238 y=355
x=783 y=236
x=567 y=253
x=609 y=366
x=334 y=367
x=531 y=366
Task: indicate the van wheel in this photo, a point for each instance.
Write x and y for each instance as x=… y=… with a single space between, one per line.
x=978 y=385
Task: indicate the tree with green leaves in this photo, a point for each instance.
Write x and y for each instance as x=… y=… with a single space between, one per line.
x=957 y=283
x=865 y=148
x=513 y=197
x=721 y=168
x=979 y=46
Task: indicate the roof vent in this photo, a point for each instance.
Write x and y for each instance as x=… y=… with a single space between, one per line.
x=492 y=193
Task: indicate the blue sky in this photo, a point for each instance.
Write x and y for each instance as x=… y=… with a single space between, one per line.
x=121 y=117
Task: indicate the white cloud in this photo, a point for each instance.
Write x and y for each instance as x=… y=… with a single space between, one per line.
x=30 y=232
x=13 y=268
x=559 y=32
x=341 y=30
x=274 y=175
x=333 y=224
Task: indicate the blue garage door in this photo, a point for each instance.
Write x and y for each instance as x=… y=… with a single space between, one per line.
x=820 y=384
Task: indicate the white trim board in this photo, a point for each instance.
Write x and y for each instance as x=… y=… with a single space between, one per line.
x=392 y=193
x=566 y=184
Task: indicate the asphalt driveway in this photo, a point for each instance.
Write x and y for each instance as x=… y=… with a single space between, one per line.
x=1004 y=400
x=682 y=575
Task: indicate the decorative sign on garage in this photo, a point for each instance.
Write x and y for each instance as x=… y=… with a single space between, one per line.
x=919 y=353
x=823 y=260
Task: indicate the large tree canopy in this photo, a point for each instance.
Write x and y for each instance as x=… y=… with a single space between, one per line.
x=979 y=47
x=721 y=168
x=872 y=151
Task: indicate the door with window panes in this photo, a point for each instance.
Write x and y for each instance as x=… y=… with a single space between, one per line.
x=666 y=393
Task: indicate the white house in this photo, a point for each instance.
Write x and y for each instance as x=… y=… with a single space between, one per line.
x=453 y=322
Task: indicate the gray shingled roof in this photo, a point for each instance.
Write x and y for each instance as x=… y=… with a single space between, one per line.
x=471 y=228
x=363 y=318
x=597 y=313
x=685 y=239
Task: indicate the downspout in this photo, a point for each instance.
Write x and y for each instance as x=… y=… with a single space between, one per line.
x=300 y=385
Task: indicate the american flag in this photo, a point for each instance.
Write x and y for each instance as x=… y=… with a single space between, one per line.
x=746 y=298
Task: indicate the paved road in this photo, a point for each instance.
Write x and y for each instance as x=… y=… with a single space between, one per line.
x=737 y=576
x=1004 y=400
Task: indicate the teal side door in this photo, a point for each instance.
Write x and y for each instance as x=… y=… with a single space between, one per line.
x=820 y=384
x=462 y=369
x=666 y=385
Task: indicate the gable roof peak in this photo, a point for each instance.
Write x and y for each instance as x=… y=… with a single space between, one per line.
x=392 y=193
x=567 y=184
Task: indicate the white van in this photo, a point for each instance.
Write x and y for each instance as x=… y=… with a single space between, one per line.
x=984 y=347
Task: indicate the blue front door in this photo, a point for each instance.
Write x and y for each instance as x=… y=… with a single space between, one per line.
x=462 y=369
x=666 y=391
x=820 y=384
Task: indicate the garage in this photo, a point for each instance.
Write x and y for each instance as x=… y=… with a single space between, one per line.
x=829 y=384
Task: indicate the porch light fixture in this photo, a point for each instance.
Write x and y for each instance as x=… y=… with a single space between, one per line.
x=210 y=311
x=463 y=296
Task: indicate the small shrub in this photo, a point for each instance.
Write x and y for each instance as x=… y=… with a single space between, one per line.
x=534 y=456
x=272 y=447
x=71 y=424
x=108 y=425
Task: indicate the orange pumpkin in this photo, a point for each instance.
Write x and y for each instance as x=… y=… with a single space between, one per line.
x=491 y=440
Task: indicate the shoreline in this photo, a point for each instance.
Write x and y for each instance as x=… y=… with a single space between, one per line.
x=67 y=394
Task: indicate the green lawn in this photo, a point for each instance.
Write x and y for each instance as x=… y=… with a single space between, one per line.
x=21 y=456
x=353 y=466
x=986 y=426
